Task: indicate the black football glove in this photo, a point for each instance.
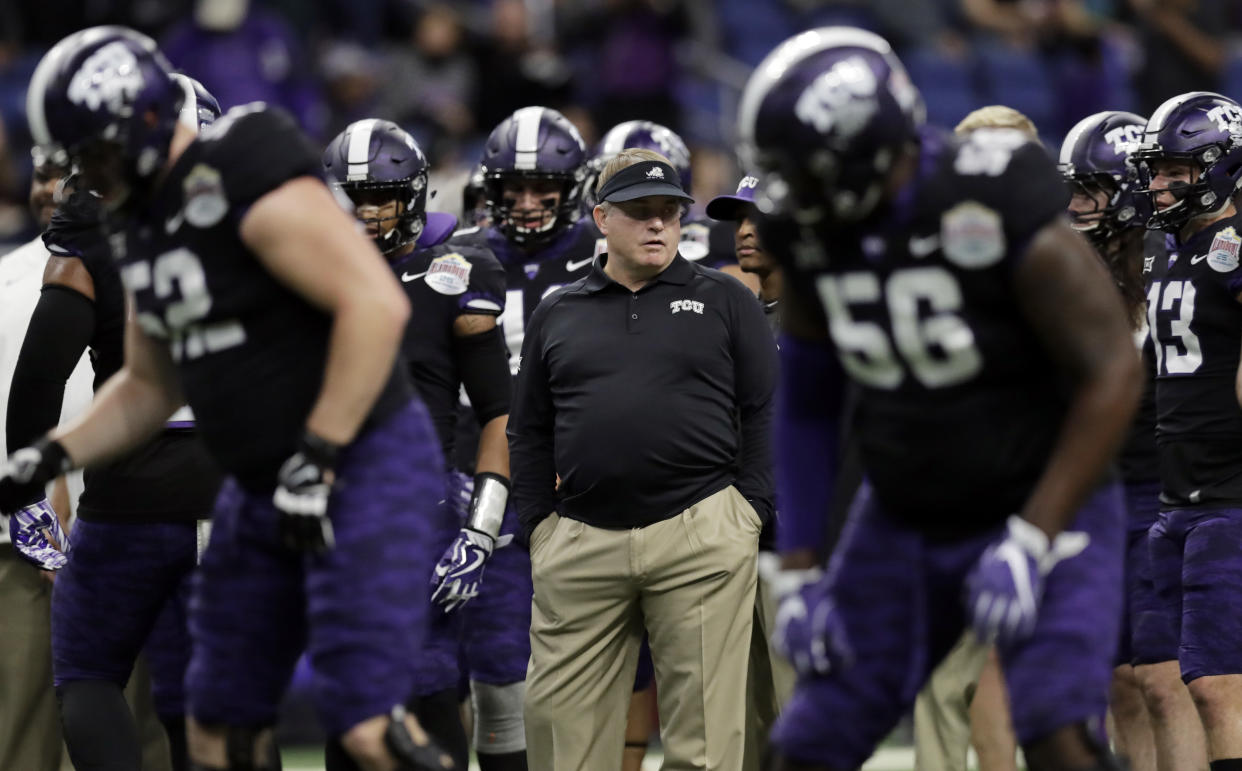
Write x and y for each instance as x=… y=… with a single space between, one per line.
x=26 y=473
x=303 y=485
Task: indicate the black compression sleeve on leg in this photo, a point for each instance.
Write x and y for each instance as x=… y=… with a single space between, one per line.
x=484 y=366
x=174 y=726
x=98 y=726
x=440 y=717
x=60 y=329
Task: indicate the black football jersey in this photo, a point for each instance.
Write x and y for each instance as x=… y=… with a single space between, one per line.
x=250 y=353
x=529 y=277
x=444 y=282
x=170 y=478
x=1196 y=330
x=959 y=405
x=1139 y=461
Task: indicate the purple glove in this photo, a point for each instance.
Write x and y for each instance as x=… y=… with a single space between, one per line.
x=459 y=573
x=38 y=537
x=1006 y=585
x=809 y=630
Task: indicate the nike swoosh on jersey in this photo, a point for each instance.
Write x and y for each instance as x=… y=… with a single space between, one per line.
x=1198 y=259
x=406 y=277
x=173 y=224
x=573 y=265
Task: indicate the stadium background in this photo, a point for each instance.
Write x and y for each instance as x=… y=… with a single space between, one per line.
x=449 y=71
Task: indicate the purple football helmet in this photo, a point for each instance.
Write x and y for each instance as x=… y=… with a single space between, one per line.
x=534 y=143
x=1203 y=130
x=104 y=99
x=1096 y=158
x=824 y=117
x=376 y=161
x=200 y=108
x=637 y=133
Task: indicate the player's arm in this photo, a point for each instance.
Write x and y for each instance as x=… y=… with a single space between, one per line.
x=308 y=243
x=806 y=431
x=1069 y=299
x=130 y=408
x=483 y=363
x=59 y=330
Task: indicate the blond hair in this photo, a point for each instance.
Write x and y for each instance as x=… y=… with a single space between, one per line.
x=626 y=158
x=997 y=116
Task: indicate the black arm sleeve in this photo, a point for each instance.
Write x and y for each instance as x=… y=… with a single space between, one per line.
x=484 y=366
x=755 y=366
x=531 y=430
x=61 y=327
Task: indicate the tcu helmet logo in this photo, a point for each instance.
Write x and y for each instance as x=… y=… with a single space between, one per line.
x=676 y=306
x=1124 y=138
x=840 y=100
x=1228 y=117
x=747 y=182
x=110 y=76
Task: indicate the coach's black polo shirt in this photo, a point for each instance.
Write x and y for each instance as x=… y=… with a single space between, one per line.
x=643 y=402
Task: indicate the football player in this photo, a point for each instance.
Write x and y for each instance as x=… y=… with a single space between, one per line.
x=256 y=300
x=451 y=341
x=1191 y=160
x=996 y=379
x=136 y=539
x=738 y=211
x=534 y=167
x=1163 y=730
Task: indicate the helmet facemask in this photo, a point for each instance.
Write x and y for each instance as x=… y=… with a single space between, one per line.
x=390 y=211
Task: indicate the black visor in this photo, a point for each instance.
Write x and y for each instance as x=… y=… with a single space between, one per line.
x=641 y=180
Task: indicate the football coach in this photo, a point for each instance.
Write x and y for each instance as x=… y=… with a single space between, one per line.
x=647 y=388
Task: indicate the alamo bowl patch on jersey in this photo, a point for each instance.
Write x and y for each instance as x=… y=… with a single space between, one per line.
x=972 y=235
x=1223 y=253
x=205 y=203
x=449 y=274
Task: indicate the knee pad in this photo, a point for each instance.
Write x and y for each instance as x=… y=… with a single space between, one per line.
x=498 y=724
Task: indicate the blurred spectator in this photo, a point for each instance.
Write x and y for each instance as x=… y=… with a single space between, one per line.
x=519 y=73
x=13 y=219
x=632 y=42
x=1184 y=45
x=438 y=82
x=243 y=53
x=351 y=79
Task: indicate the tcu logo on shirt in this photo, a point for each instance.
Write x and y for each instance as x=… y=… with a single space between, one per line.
x=1124 y=138
x=108 y=76
x=841 y=99
x=1227 y=117
x=676 y=306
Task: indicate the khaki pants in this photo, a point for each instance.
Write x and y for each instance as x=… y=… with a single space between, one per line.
x=942 y=710
x=762 y=695
x=690 y=581
x=29 y=723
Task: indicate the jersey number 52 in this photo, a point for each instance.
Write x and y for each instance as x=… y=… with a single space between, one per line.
x=180 y=271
